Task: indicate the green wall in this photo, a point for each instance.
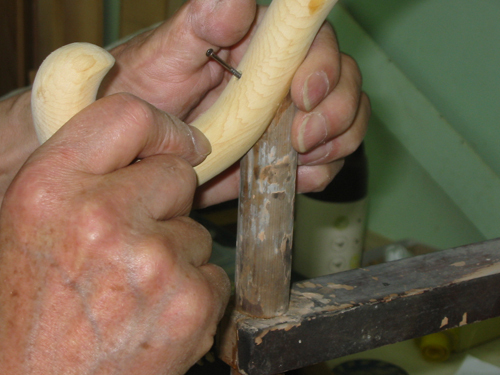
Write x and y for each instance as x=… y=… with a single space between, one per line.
x=430 y=69
x=450 y=50
x=446 y=50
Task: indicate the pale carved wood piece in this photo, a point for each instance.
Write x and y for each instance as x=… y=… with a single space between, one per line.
x=241 y=114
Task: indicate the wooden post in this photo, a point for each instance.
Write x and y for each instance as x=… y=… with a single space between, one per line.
x=265 y=220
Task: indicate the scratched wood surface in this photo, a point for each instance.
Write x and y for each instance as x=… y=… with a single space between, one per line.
x=265 y=225
x=358 y=310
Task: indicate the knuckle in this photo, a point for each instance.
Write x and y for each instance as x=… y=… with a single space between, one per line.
x=98 y=225
x=342 y=116
x=185 y=175
x=350 y=64
x=350 y=147
x=138 y=112
x=197 y=305
x=195 y=229
x=178 y=164
x=325 y=174
x=153 y=264
x=134 y=112
x=32 y=193
x=193 y=304
x=349 y=109
x=366 y=103
x=328 y=33
x=327 y=27
x=351 y=70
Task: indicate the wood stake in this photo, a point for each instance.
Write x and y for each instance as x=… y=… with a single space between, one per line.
x=265 y=220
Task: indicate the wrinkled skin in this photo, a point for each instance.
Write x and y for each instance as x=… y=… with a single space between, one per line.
x=99 y=274
x=102 y=272
x=326 y=88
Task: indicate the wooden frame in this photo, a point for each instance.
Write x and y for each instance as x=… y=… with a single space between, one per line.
x=16 y=40
x=353 y=311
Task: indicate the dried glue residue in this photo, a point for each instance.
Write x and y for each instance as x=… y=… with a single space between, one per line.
x=413 y=292
x=339 y=286
x=464 y=320
x=482 y=272
x=283 y=327
x=307 y=284
x=315 y=296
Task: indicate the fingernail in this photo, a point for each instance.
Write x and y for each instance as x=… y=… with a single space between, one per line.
x=312 y=131
x=201 y=143
x=315 y=89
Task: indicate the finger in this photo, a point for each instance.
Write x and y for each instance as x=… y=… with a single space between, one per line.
x=233 y=56
x=198 y=308
x=200 y=25
x=221 y=188
x=226 y=186
x=220 y=36
x=173 y=56
x=316 y=178
x=185 y=237
x=168 y=252
x=319 y=74
x=333 y=115
x=344 y=144
x=159 y=187
x=222 y=22
x=221 y=288
x=116 y=130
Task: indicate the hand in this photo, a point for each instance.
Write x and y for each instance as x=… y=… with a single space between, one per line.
x=168 y=67
x=102 y=271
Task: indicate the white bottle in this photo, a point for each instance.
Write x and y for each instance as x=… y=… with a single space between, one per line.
x=330 y=226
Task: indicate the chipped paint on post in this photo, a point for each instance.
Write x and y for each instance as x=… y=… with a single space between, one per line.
x=265 y=225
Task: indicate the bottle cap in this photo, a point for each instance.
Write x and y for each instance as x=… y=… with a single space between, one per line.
x=435 y=347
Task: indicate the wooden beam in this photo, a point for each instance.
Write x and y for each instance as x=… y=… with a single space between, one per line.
x=349 y=312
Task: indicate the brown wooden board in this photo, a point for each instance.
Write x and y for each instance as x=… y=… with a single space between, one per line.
x=349 y=312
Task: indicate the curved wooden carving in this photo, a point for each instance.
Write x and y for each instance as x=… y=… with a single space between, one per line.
x=69 y=78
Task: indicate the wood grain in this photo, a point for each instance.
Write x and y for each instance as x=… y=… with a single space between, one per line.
x=265 y=224
x=245 y=108
x=67 y=82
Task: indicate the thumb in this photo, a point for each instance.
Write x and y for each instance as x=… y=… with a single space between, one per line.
x=222 y=23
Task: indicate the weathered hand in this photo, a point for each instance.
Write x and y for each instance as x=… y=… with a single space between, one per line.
x=168 y=67
x=102 y=271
